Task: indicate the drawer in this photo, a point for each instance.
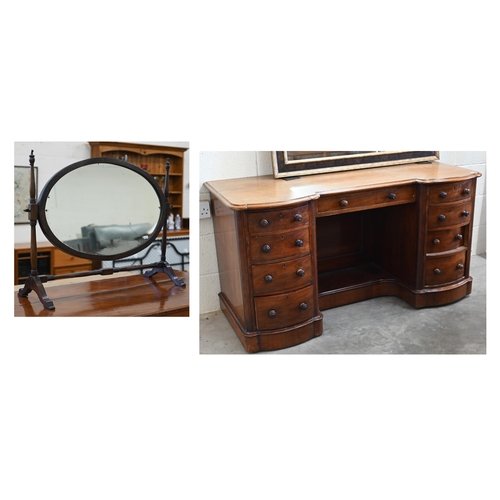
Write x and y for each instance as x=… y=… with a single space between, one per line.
x=450 y=215
x=65 y=259
x=349 y=202
x=286 y=309
x=446 y=193
x=72 y=269
x=278 y=220
x=279 y=246
x=445 y=239
x=445 y=268
x=281 y=276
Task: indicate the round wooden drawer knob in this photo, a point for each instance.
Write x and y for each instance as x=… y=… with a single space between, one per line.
x=436 y=241
x=437 y=271
x=266 y=248
x=344 y=203
x=459 y=237
x=460 y=266
x=303 y=306
x=299 y=243
x=392 y=196
x=443 y=194
x=466 y=191
x=264 y=223
x=268 y=278
x=301 y=272
x=441 y=217
x=465 y=213
x=272 y=313
x=297 y=218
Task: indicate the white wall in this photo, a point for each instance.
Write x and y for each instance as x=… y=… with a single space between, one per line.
x=50 y=157
x=475 y=160
x=216 y=165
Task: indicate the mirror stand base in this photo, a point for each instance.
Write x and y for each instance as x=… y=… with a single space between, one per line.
x=161 y=267
x=34 y=283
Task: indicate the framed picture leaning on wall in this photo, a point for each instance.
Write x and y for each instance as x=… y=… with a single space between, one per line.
x=294 y=163
x=22 y=193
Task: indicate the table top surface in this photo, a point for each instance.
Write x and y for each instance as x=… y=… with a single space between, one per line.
x=121 y=294
x=264 y=191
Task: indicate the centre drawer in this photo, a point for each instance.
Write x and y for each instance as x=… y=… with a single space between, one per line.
x=279 y=246
x=282 y=276
x=350 y=202
x=286 y=309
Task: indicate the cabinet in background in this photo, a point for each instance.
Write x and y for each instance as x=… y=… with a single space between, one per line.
x=50 y=260
x=151 y=158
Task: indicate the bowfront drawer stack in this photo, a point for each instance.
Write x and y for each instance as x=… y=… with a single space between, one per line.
x=282 y=266
x=449 y=224
x=267 y=264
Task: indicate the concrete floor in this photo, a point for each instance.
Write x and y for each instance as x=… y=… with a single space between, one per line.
x=385 y=325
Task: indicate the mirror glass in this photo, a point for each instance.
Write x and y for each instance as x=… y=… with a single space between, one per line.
x=101 y=209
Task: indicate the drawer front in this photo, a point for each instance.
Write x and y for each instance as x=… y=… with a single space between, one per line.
x=446 y=193
x=444 y=269
x=278 y=220
x=279 y=246
x=450 y=215
x=349 y=202
x=286 y=309
x=445 y=239
x=282 y=276
x=63 y=259
x=72 y=269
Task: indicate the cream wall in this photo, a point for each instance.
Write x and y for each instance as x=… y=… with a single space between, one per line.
x=475 y=160
x=216 y=165
x=50 y=157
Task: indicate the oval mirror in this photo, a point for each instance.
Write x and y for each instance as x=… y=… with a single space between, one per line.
x=101 y=209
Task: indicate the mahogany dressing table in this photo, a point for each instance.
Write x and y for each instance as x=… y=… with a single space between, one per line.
x=288 y=249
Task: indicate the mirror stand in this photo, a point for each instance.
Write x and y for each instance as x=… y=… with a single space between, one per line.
x=162 y=266
x=35 y=281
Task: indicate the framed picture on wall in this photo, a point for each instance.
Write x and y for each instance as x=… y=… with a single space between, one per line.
x=294 y=163
x=22 y=193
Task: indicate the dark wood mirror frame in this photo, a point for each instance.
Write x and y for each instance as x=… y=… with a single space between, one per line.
x=36 y=213
x=297 y=163
x=46 y=191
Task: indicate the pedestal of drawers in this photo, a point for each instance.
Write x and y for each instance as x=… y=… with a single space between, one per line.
x=269 y=290
x=448 y=241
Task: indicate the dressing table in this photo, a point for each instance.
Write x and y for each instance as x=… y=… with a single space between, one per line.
x=289 y=248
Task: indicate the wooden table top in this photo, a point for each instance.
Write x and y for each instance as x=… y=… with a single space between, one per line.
x=265 y=191
x=121 y=294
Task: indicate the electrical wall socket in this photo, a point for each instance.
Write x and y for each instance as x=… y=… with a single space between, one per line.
x=204 y=209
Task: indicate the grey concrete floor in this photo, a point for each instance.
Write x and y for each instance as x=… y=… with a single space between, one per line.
x=385 y=325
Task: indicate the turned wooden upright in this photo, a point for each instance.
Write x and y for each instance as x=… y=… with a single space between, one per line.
x=288 y=249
